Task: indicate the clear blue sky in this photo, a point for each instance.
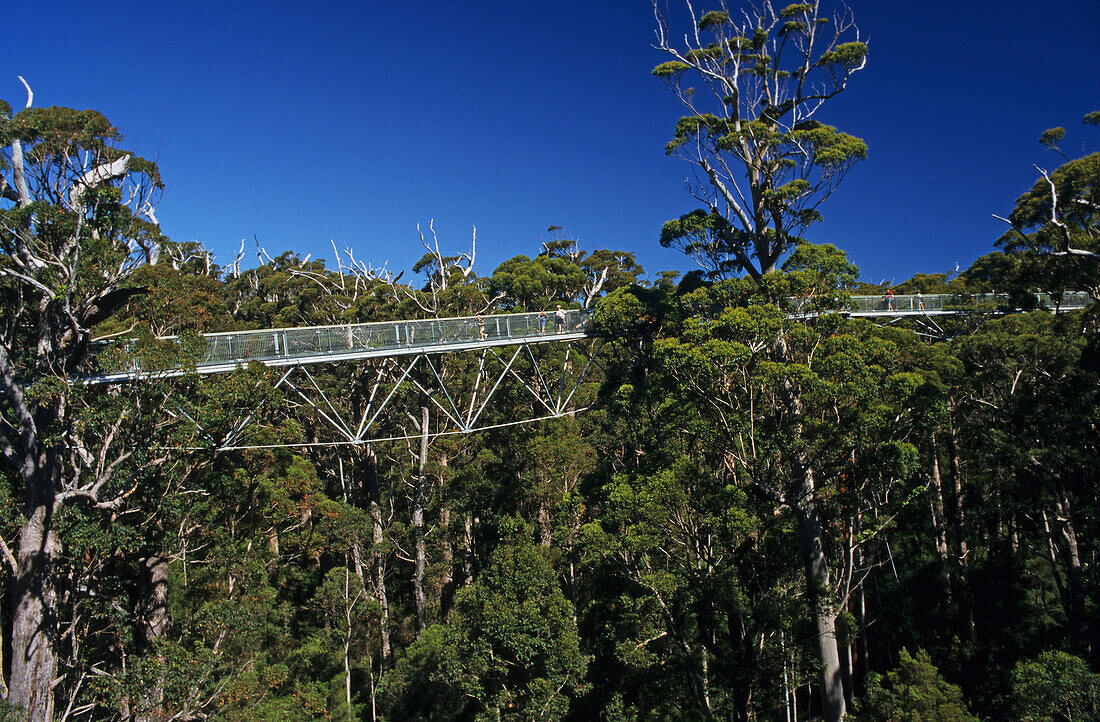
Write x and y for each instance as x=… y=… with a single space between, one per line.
x=298 y=123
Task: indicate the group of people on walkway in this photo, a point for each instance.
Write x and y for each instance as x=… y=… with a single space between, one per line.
x=888 y=300
x=559 y=320
x=558 y=315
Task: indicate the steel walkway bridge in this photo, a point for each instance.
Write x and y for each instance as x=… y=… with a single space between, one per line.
x=298 y=346
x=500 y=353
x=453 y=366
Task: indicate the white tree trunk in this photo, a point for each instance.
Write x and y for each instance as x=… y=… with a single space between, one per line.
x=421 y=557
x=818 y=585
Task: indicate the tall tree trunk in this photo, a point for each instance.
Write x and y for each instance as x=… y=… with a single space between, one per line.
x=1074 y=582
x=447 y=577
x=864 y=641
x=819 y=590
x=1052 y=557
x=34 y=638
x=154 y=623
x=743 y=647
x=939 y=523
x=958 y=519
x=812 y=544
x=546 y=533
x=421 y=557
x=468 y=522
x=374 y=493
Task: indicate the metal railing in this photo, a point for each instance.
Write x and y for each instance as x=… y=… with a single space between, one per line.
x=286 y=346
x=946 y=303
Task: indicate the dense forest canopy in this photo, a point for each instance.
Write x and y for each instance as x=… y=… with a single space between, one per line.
x=757 y=517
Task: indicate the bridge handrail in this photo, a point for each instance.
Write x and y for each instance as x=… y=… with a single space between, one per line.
x=279 y=344
x=915 y=304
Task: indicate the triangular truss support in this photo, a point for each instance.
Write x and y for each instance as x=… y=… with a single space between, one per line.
x=458 y=413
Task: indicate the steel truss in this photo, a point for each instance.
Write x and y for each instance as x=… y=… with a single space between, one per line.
x=354 y=409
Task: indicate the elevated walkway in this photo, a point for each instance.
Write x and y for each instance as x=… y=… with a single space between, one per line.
x=386 y=339
x=353 y=342
x=942 y=304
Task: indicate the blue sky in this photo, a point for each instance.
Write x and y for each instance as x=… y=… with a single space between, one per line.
x=298 y=123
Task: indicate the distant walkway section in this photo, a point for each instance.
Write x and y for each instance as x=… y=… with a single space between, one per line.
x=940 y=304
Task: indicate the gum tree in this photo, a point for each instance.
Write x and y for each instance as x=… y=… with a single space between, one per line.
x=753 y=84
x=75 y=222
x=1055 y=226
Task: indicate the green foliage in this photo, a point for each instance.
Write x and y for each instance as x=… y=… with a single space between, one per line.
x=671 y=68
x=11 y=713
x=796 y=9
x=848 y=55
x=713 y=19
x=562 y=273
x=509 y=651
x=1052 y=137
x=514 y=643
x=1055 y=233
x=914 y=692
x=416 y=689
x=1054 y=686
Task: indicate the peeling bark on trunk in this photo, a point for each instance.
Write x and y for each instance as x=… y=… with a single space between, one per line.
x=421 y=561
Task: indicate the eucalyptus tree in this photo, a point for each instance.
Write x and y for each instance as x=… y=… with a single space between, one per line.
x=1056 y=224
x=769 y=419
x=563 y=274
x=1029 y=406
x=753 y=82
x=77 y=222
x=510 y=650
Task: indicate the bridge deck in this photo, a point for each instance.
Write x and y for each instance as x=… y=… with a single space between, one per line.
x=351 y=342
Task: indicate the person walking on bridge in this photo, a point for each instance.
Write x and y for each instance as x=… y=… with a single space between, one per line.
x=559 y=319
